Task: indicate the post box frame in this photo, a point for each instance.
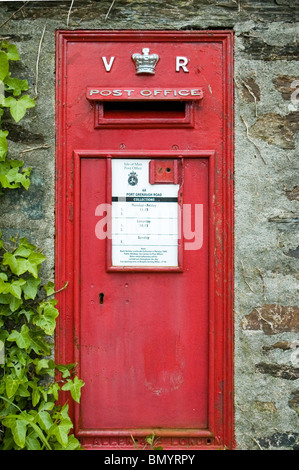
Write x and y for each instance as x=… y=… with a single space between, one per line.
x=221 y=410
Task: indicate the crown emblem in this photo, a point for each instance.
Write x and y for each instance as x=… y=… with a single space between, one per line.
x=133 y=180
x=145 y=62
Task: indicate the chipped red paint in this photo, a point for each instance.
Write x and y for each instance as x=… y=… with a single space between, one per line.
x=154 y=347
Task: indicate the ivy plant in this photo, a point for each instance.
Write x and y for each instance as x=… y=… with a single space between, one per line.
x=30 y=417
x=14 y=103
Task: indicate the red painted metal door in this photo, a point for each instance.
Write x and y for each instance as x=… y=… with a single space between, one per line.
x=144 y=234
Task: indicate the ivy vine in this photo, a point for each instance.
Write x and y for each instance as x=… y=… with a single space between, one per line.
x=30 y=417
x=12 y=99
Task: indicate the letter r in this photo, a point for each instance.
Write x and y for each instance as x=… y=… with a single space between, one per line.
x=181 y=62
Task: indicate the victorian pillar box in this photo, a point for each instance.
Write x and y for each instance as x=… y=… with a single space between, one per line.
x=144 y=234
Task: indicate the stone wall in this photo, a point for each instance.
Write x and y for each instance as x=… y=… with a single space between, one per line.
x=266 y=176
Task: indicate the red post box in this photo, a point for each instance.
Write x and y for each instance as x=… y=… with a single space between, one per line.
x=144 y=234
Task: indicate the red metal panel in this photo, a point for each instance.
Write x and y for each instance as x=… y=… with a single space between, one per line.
x=153 y=346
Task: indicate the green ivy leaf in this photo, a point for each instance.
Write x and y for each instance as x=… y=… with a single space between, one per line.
x=54 y=390
x=18 y=107
x=15 y=304
x=72 y=444
x=46 y=406
x=44 y=419
x=10 y=260
x=4 y=65
x=65 y=369
x=30 y=288
x=23 y=390
x=32 y=442
x=36 y=258
x=64 y=413
x=12 y=51
x=10 y=177
x=11 y=386
x=23 y=242
x=47 y=314
x=22 y=251
x=15 y=86
x=74 y=386
x=49 y=288
x=20 y=265
x=8 y=102
x=3 y=286
x=35 y=395
x=18 y=428
x=29 y=420
x=41 y=364
x=22 y=338
x=23 y=178
x=3 y=144
x=15 y=288
x=4 y=301
x=38 y=344
x=44 y=366
x=32 y=268
x=61 y=431
x=7 y=180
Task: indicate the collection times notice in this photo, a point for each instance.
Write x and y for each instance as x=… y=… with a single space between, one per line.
x=144 y=217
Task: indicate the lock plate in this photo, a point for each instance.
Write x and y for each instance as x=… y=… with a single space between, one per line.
x=164 y=171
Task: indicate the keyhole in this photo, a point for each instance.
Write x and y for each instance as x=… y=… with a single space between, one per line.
x=101 y=298
x=168 y=170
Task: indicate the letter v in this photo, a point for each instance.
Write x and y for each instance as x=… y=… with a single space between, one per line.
x=108 y=65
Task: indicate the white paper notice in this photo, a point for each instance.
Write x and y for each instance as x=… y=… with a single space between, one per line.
x=144 y=217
